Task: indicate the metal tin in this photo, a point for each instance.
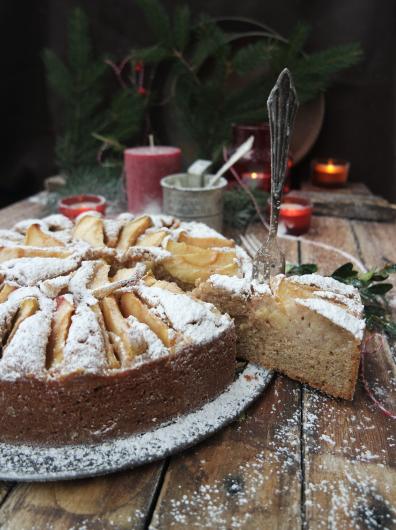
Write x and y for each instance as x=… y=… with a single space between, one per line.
x=186 y=198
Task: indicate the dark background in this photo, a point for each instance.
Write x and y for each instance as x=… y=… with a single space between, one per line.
x=360 y=106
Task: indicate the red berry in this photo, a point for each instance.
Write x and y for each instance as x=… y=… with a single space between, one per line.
x=141 y=90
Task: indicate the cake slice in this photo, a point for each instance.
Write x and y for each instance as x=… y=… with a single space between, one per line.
x=308 y=327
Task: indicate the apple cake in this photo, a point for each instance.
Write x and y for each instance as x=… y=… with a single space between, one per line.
x=308 y=327
x=112 y=326
x=94 y=344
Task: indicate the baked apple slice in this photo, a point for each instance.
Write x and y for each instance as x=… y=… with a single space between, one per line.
x=206 y=242
x=116 y=323
x=5 y=292
x=169 y=286
x=89 y=228
x=35 y=237
x=101 y=276
x=7 y=253
x=180 y=270
x=153 y=239
x=132 y=230
x=112 y=360
x=201 y=259
x=132 y=305
x=59 y=330
x=26 y=309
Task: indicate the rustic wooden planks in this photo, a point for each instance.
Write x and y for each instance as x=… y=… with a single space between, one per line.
x=248 y=476
x=26 y=209
x=120 y=501
x=349 y=448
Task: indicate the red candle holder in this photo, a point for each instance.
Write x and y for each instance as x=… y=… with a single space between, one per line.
x=330 y=173
x=255 y=167
x=75 y=205
x=295 y=214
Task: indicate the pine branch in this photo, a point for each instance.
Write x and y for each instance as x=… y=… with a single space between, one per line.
x=253 y=56
x=297 y=41
x=122 y=120
x=151 y=54
x=181 y=27
x=80 y=50
x=158 y=20
x=209 y=40
x=58 y=76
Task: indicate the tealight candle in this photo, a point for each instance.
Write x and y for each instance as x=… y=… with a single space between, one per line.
x=330 y=173
x=295 y=214
x=257 y=180
x=144 y=169
x=75 y=205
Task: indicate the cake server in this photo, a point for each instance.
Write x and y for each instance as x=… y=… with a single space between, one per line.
x=282 y=106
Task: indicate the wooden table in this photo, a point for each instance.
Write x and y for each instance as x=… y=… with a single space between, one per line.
x=296 y=459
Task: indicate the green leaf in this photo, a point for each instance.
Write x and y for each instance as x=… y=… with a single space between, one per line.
x=390 y=328
x=366 y=277
x=380 y=276
x=157 y=19
x=181 y=27
x=299 y=270
x=390 y=269
x=345 y=272
x=380 y=288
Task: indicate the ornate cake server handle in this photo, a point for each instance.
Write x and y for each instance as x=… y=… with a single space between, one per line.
x=282 y=106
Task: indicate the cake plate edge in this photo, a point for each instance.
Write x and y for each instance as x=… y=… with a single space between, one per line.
x=42 y=463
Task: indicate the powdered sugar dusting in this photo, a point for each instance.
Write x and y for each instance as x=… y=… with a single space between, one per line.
x=30 y=271
x=325 y=283
x=22 y=462
x=335 y=314
x=26 y=353
x=139 y=332
x=195 y=319
x=85 y=349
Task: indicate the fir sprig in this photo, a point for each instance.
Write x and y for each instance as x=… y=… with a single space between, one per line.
x=372 y=289
x=88 y=118
x=204 y=68
x=238 y=208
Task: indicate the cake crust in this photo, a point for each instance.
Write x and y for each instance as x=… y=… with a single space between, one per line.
x=88 y=408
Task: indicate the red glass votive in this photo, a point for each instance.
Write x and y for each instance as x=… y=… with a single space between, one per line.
x=295 y=214
x=254 y=167
x=75 y=205
x=144 y=169
x=330 y=173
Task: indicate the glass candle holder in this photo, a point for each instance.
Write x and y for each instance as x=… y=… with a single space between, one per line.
x=330 y=173
x=295 y=214
x=75 y=205
x=255 y=167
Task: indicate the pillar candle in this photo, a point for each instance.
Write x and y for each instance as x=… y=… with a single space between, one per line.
x=144 y=168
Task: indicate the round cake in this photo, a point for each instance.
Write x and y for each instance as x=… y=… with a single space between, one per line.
x=110 y=327
x=99 y=340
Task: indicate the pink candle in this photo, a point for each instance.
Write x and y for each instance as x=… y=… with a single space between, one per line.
x=144 y=168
